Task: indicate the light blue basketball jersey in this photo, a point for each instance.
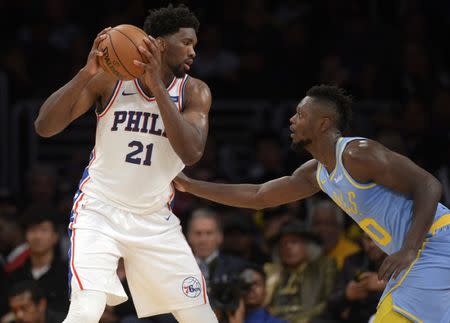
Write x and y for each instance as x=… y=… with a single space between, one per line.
x=383 y=214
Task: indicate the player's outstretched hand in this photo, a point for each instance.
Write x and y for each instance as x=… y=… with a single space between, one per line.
x=152 y=64
x=92 y=64
x=395 y=263
x=181 y=182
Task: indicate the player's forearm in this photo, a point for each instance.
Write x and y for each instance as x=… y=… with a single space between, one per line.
x=56 y=112
x=237 y=195
x=425 y=199
x=184 y=138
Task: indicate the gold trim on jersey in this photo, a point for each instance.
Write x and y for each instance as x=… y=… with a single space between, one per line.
x=440 y=223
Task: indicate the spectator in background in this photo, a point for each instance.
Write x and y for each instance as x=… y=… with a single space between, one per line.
x=358 y=290
x=14 y=249
x=205 y=235
x=298 y=286
x=327 y=220
x=251 y=309
x=28 y=304
x=44 y=265
x=241 y=238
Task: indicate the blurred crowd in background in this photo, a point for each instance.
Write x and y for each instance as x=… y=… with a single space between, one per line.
x=303 y=262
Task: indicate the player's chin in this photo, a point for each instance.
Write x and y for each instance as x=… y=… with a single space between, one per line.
x=180 y=71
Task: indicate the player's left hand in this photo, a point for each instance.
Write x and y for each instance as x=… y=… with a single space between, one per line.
x=395 y=263
x=181 y=182
x=152 y=66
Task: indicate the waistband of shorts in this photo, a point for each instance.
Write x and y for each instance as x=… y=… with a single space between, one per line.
x=439 y=224
x=158 y=205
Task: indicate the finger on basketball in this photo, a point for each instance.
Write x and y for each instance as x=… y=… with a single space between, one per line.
x=152 y=44
x=139 y=63
x=145 y=52
x=98 y=39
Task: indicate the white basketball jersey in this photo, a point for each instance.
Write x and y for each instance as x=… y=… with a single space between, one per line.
x=133 y=164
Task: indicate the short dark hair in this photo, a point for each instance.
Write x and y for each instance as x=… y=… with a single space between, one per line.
x=168 y=20
x=205 y=213
x=339 y=98
x=37 y=214
x=27 y=286
x=257 y=268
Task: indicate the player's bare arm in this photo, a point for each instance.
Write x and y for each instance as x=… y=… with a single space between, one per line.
x=367 y=161
x=76 y=97
x=301 y=184
x=187 y=132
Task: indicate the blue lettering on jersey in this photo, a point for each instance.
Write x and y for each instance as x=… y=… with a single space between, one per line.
x=131 y=121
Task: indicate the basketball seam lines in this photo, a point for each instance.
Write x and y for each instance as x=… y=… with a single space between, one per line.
x=132 y=43
x=118 y=58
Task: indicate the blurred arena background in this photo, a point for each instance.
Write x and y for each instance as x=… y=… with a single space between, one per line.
x=258 y=57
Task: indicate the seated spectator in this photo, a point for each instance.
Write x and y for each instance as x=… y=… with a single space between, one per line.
x=251 y=309
x=241 y=238
x=299 y=286
x=327 y=220
x=28 y=304
x=43 y=265
x=205 y=235
x=14 y=250
x=358 y=290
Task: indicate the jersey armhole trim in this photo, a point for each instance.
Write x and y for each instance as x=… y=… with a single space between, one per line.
x=181 y=93
x=111 y=99
x=319 y=168
x=363 y=186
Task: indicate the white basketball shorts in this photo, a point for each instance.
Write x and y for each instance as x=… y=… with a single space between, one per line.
x=161 y=270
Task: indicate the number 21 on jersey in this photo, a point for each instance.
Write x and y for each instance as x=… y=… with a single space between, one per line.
x=135 y=156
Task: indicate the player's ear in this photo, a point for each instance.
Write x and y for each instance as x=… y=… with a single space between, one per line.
x=161 y=43
x=325 y=124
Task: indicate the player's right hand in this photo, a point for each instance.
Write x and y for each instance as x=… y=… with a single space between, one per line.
x=181 y=182
x=92 y=65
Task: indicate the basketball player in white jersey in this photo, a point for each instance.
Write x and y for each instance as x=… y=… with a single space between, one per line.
x=148 y=129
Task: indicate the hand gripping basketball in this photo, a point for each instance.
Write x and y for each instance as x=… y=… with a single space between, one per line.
x=152 y=54
x=92 y=64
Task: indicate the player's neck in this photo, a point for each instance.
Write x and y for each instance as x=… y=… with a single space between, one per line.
x=324 y=150
x=166 y=76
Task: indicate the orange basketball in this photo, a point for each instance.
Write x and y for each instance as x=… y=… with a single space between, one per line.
x=120 y=48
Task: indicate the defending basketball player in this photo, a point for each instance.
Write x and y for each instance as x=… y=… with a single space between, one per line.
x=392 y=199
x=148 y=129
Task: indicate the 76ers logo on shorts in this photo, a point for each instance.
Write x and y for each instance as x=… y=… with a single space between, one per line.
x=191 y=287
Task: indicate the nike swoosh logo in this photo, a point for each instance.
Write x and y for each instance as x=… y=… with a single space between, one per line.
x=129 y=93
x=167 y=219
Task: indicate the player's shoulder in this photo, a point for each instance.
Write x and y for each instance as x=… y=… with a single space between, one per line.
x=363 y=150
x=197 y=92
x=196 y=85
